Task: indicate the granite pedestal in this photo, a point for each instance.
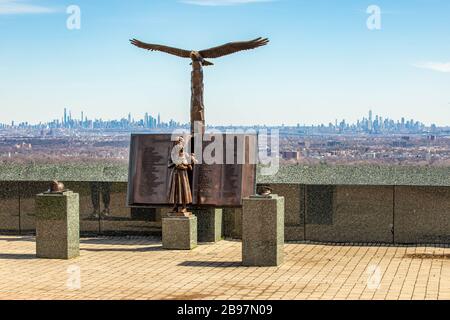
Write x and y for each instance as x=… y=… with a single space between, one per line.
x=209 y=224
x=179 y=233
x=57 y=225
x=232 y=223
x=263 y=231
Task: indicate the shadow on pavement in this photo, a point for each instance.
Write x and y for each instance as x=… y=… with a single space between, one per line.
x=212 y=264
x=146 y=249
x=17 y=256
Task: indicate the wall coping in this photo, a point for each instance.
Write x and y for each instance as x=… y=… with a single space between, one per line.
x=288 y=174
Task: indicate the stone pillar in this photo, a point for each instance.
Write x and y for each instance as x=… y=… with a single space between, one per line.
x=57 y=225
x=209 y=224
x=227 y=222
x=263 y=231
x=232 y=223
x=237 y=231
x=179 y=233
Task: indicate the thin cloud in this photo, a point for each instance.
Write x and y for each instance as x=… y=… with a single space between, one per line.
x=9 y=7
x=222 y=2
x=435 y=66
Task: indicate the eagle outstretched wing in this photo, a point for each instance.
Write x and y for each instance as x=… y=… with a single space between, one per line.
x=156 y=47
x=233 y=47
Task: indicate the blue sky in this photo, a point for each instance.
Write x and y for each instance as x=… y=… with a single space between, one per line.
x=323 y=63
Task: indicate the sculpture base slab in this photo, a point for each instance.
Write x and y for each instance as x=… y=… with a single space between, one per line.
x=179 y=214
x=179 y=233
x=263 y=231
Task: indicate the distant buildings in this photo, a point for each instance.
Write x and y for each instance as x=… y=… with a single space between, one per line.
x=67 y=122
x=370 y=125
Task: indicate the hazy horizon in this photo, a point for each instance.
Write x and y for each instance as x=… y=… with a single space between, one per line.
x=137 y=118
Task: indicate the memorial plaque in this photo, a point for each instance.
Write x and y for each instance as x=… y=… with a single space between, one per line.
x=226 y=184
x=222 y=184
x=149 y=172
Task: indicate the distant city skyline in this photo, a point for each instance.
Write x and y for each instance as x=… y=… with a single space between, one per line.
x=323 y=62
x=70 y=121
x=373 y=123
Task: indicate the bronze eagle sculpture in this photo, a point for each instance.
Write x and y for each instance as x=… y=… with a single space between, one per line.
x=198 y=61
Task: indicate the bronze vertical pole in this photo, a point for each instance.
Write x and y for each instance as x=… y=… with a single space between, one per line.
x=197 y=106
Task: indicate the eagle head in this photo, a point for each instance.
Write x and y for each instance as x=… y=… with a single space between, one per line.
x=196 y=56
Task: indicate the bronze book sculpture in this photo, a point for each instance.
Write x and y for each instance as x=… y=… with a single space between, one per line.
x=198 y=61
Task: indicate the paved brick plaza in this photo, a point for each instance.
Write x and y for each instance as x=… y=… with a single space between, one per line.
x=138 y=268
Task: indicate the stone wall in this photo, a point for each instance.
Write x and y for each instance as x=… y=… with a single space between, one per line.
x=9 y=207
x=17 y=208
x=328 y=213
x=294 y=212
x=422 y=214
x=349 y=214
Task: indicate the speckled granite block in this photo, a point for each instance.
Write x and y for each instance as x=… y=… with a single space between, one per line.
x=9 y=207
x=209 y=224
x=349 y=214
x=232 y=223
x=386 y=175
x=27 y=203
x=227 y=222
x=263 y=231
x=422 y=215
x=162 y=213
x=179 y=233
x=237 y=231
x=57 y=226
x=371 y=175
x=294 y=218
